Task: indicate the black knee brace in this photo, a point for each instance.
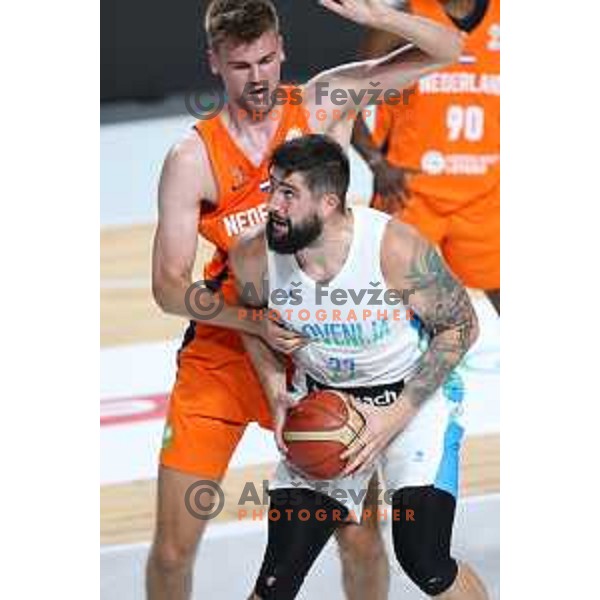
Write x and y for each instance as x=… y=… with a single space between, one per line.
x=422 y=544
x=296 y=541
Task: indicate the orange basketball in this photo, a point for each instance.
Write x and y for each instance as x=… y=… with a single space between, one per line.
x=318 y=429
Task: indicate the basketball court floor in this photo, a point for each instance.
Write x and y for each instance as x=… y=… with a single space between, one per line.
x=137 y=370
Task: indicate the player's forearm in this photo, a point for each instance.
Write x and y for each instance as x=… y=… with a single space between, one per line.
x=363 y=143
x=444 y=353
x=269 y=367
x=180 y=299
x=378 y=43
x=442 y=43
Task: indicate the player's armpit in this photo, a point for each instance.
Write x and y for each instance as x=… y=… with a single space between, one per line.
x=437 y=299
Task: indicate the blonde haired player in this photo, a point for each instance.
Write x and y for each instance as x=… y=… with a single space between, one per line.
x=211 y=185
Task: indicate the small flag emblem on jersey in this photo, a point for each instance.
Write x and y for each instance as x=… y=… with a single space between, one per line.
x=293 y=133
x=265 y=186
x=467 y=59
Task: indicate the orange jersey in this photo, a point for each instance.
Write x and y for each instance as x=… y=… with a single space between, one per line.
x=242 y=188
x=449 y=128
x=217 y=391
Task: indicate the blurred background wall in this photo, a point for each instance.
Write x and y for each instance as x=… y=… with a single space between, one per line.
x=154 y=48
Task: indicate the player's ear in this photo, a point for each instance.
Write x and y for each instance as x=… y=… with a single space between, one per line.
x=213 y=62
x=331 y=203
x=281 y=49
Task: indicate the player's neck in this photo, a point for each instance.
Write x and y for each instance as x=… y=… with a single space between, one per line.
x=326 y=256
x=252 y=133
x=466 y=14
x=459 y=9
x=243 y=120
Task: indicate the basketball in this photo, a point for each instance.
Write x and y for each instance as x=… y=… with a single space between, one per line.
x=318 y=430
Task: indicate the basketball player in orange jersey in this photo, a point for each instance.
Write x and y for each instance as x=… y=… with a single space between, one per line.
x=211 y=185
x=435 y=159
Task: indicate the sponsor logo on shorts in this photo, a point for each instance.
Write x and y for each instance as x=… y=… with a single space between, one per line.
x=388 y=397
x=167 y=438
x=381 y=395
x=419 y=456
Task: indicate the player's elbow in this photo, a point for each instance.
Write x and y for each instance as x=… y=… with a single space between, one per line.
x=473 y=329
x=159 y=293
x=165 y=287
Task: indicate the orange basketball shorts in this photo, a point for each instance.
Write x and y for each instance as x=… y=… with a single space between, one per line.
x=469 y=237
x=216 y=394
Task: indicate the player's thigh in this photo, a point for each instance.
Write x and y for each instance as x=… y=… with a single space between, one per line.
x=422 y=537
x=178 y=528
x=188 y=493
x=209 y=408
x=361 y=543
x=216 y=378
x=421 y=466
x=472 y=246
x=427 y=452
x=200 y=446
x=301 y=521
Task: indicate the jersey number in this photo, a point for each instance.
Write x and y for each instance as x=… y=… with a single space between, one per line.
x=466 y=122
x=341 y=368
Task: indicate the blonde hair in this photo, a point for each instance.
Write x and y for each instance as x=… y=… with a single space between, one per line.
x=241 y=21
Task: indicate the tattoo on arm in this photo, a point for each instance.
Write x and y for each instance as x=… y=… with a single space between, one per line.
x=448 y=317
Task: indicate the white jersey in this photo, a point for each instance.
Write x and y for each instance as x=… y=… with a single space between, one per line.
x=362 y=332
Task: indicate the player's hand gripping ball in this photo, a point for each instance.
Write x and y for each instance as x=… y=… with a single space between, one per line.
x=318 y=429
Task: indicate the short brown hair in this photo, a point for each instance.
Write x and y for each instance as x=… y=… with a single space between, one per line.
x=242 y=21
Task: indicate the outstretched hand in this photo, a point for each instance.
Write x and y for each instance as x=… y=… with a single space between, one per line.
x=364 y=12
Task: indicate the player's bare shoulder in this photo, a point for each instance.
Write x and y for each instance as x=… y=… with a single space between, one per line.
x=187 y=171
x=400 y=247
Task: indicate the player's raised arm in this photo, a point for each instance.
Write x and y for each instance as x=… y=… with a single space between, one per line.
x=430 y=47
x=439 y=300
x=436 y=42
x=185 y=181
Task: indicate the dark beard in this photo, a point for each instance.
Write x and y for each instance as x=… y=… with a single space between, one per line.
x=297 y=237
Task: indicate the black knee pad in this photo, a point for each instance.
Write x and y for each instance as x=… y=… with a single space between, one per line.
x=422 y=542
x=294 y=541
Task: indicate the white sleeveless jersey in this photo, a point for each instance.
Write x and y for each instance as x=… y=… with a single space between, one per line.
x=362 y=332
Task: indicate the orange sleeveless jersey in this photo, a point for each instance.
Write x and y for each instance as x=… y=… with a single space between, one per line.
x=242 y=188
x=450 y=127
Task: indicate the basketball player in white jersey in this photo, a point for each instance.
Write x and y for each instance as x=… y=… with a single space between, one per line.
x=324 y=264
